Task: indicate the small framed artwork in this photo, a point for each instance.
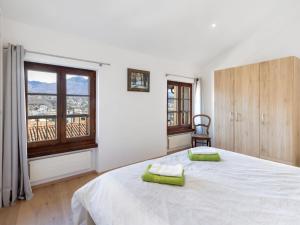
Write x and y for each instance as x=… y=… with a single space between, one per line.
x=138 y=80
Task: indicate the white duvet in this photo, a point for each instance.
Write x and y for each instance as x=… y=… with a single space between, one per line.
x=239 y=190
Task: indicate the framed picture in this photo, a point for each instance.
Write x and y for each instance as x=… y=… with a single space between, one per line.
x=138 y=80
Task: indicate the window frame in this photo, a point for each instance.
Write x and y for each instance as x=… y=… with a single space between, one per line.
x=62 y=144
x=180 y=128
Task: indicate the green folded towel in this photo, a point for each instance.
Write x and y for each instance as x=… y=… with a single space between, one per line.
x=154 y=178
x=204 y=157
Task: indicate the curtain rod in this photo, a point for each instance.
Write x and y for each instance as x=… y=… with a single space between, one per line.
x=65 y=57
x=175 y=75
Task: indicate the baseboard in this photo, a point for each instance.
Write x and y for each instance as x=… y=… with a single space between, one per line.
x=59 y=179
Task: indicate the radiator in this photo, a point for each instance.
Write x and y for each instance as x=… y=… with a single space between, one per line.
x=48 y=169
x=179 y=141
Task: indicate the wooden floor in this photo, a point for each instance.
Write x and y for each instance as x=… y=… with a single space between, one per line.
x=49 y=205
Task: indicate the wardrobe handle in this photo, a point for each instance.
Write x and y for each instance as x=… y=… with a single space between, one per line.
x=236 y=116
x=231 y=116
x=262 y=118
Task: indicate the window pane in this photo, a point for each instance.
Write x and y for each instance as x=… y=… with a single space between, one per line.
x=172 y=105
x=77 y=85
x=41 y=129
x=185 y=118
x=185 y=92
x=77 y=105
x=78 y=126
x=185 y=105
x=41 y=82
x=172 y=91
x=39 y=105
x=172 y=119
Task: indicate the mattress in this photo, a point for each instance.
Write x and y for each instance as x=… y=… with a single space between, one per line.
x=238 y=190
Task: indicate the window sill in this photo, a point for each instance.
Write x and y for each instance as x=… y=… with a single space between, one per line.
x=60 y=148
x=180 y=131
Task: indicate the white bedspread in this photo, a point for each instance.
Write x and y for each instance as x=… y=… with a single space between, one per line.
x=239 y=190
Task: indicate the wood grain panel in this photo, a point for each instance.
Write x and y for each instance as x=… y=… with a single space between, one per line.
x=246 y=107
x=276 y=109
x=224 y=89
x=296 y=117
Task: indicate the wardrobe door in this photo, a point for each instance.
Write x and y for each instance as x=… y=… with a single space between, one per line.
x=296 y=111
x=224 y=115
x=246 y=108
x=276 y=109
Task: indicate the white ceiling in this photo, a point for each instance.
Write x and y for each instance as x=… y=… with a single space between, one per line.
x=175 y=29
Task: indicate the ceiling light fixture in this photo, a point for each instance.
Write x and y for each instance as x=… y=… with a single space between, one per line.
x=213 y=25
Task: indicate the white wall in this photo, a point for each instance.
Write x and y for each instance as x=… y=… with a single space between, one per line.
x=1 y=99
x=131 y=126
x=275 y=38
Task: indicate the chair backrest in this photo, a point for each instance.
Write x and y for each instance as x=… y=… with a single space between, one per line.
x=201 y=124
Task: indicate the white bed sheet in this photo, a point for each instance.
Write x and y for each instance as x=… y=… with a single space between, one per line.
x=239 y=190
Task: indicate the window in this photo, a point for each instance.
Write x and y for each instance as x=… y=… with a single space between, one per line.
x=179 y=107
x=60 y=109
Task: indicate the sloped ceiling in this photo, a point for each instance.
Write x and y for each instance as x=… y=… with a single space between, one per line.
x=175 y=29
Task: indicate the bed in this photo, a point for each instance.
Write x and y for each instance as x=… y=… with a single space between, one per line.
x=239 y=190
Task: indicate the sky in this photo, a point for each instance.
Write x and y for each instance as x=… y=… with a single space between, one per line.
x=45 y=77
x=41 y=76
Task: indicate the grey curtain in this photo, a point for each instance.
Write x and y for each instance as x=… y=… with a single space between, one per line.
x=14 y=165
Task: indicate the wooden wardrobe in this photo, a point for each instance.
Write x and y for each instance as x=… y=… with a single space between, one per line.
x=257 y=110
